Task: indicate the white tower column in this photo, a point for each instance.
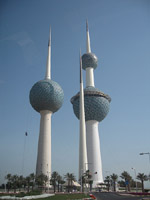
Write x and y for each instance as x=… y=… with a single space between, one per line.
x=44 y=145
x=89 y=77
x=93 y=151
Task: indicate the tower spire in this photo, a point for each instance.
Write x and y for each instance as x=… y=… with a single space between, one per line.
x=82 y=143
x=88 y=47
x=48 y=67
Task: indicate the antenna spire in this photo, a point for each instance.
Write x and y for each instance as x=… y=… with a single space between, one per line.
x=48 y=67
x=82 y=146
x=81 y=81
x=88 y=47
x=49 y=41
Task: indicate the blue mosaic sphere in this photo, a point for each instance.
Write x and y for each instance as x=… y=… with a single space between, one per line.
x=46 y=95
x=89 y=60
x=96 y=104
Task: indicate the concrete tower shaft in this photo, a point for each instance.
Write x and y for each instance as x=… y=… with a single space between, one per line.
x=96 y=108
x=46 y=97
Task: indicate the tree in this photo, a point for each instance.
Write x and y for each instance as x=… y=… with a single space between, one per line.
x=107 y=181
x=45 y=180
x=90 y=183
x=60 y=182
x=41 y=180
x=114 y=178
x=87 y=178
x=54 y=179
x=122 y=183
x=32 y=178
x=127 y=178
x=28 y=180
x=70 y=178
x=20 y=181
x=142 y=177
x=14 y=180
x=9 y=179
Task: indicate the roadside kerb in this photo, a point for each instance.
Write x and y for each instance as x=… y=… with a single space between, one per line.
x=27 y=197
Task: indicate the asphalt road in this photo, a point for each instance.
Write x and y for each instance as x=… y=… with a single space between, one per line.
x=114 y=196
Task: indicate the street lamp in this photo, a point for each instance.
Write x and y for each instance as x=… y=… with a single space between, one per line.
x=87 y=170
x=146 y=154
x=135 y=177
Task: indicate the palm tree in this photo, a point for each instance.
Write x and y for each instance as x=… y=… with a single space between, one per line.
x=127 y=178
x=107 y=180
x=88 y=178
x=24 y=183
x=54 y=179
x=142 y=177
x=9 y=178
x=41 y=180
x=14 y=180
x=28 y=180
x=114 y=178
x=32 y=178
x=60 y=181
x=20 y=181
x=45 y=180
x=67 y=177
x=70 y=178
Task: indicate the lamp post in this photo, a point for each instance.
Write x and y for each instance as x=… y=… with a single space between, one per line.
x=135 y=177
x=146 y=154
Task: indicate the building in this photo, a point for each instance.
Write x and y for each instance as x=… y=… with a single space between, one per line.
x=96 y=105
x=46 y=97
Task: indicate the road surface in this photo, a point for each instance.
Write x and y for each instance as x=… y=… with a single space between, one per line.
x=114 y=196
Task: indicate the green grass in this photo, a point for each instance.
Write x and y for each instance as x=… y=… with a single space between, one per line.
x=31 y=193
x=66 y=197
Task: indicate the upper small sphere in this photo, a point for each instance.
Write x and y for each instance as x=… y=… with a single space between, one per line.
x=89 y=60
x=46 y=95
x=96 y=104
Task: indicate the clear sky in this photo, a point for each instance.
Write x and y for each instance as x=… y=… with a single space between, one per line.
x=120 y=37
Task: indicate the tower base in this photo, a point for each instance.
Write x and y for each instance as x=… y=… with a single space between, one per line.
x=43 y=165
x=93 y=152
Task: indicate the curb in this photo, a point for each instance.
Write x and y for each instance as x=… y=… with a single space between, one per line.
x=27 y=197
x=92 y=196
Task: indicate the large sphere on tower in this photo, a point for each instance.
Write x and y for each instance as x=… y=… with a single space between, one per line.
x=46 y=95
x=96 y=104
x=89 y=60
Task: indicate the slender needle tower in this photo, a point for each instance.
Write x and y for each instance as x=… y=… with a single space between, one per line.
x=96 y=108
x=46 y=97
x=82 y=142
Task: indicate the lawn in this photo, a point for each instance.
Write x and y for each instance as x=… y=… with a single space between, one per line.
x=66 y=197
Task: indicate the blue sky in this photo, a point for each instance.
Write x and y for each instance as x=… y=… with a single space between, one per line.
x=120 y=37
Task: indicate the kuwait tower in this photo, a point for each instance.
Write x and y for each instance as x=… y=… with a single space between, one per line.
x=46 y=97
x=96 y=105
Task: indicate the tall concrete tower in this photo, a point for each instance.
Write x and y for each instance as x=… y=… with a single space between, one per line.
x=96 y=108
x=46 y=97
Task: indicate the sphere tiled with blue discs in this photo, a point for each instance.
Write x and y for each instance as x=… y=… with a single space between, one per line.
x=46 y=95
x=96 y=104
x=89 y=60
